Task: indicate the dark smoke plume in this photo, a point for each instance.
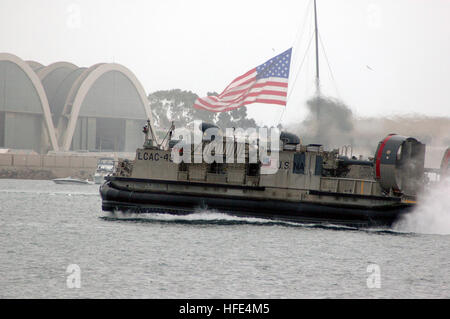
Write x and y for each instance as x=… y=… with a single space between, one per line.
x=329 y=122
x=332 y=124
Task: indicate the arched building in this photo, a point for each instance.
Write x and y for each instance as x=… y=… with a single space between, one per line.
x=65 y=107
x=25 y=118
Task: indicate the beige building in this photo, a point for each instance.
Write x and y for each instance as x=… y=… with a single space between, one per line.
x=63 y=107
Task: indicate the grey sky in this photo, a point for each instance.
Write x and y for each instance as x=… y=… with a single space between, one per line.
x=388 y=57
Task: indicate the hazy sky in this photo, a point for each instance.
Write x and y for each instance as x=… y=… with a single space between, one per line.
x=387 y=57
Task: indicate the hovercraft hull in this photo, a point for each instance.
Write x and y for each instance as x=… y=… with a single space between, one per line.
x=115 y=199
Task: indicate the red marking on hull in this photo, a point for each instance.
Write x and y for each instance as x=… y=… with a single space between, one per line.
x=445 y=160
x=379 y=154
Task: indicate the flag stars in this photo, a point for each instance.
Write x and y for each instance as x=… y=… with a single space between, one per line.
x=276 y=67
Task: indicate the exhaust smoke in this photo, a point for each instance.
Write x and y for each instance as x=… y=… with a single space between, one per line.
x=329 y=122
x=432 y=215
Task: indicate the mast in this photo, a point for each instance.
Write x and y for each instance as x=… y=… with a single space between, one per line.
x=317 y=51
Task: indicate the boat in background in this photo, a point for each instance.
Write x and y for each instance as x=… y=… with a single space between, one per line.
x=105 y=166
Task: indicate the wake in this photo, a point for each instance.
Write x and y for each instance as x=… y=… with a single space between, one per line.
x=205 y=217
x=199 y=217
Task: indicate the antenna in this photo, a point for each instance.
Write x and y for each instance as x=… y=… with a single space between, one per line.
x=316 y=32
x=317 y=99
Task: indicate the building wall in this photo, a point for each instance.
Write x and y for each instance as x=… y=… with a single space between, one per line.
x=58 y=100
x=134 y=136
x=17 y=92
x=31 y=166
x=52 y=82
x=117 y=115
x=104 y=134
x=21 y=119
x=2 y=129
x=23 y=131
x=113 y=96
x=85 y=134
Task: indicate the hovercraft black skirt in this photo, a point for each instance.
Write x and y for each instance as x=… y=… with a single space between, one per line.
x=114 y=199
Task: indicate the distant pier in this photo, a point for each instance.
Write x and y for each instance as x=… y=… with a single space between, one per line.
x=50 y=166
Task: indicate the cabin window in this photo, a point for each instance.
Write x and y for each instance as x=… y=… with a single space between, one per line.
x=299 y=163
x=318 y=169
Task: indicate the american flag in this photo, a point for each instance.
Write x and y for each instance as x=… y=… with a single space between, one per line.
x=267 y=83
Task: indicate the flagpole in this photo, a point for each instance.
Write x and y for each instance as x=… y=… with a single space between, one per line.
x=317 y=51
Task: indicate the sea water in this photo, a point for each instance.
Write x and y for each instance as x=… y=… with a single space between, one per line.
x=56 y=242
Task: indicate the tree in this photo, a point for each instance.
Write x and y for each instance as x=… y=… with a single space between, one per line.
x=178 y=106
x=224 y=120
